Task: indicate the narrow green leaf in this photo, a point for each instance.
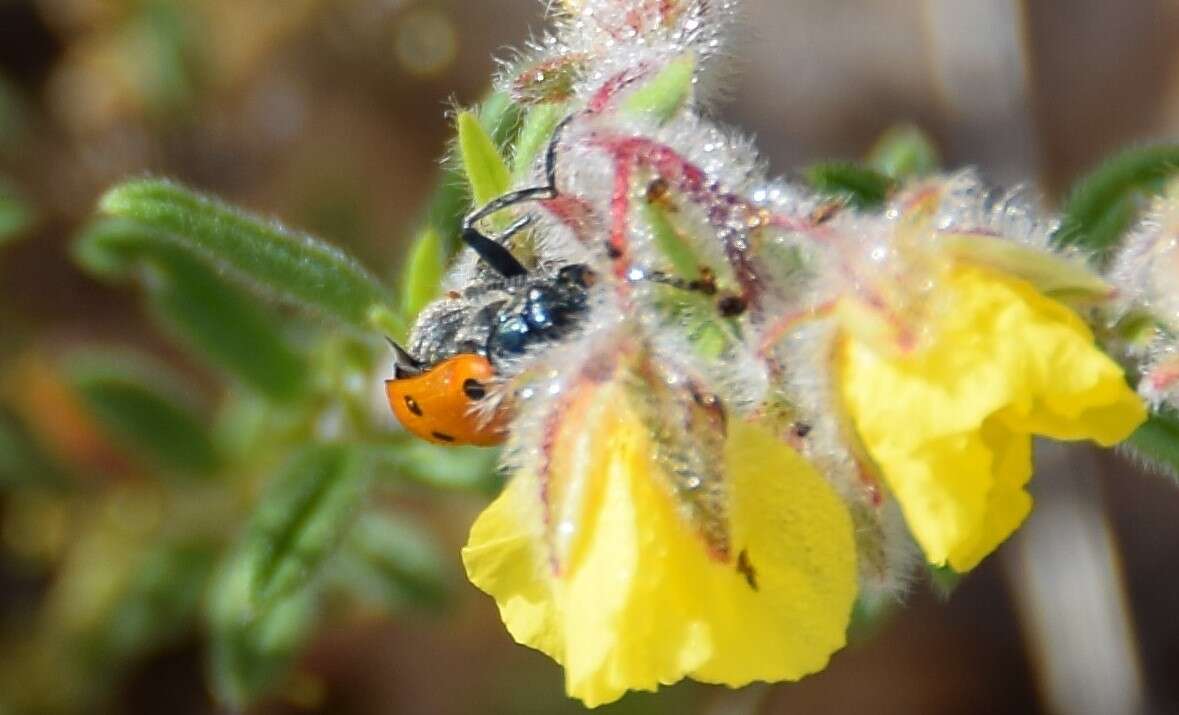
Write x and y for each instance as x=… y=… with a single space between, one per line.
x=145 y=407
x=500 y=118
x=534 y=138
x=450 y=468
x=1156 y=442
x=393 y=561
x=301 y=519
x=422 y=279
x=904 y=152
x=486 y=171
x=861 y=186
x=250 y=648
x=1101 y=206
x=261 y=253
x=662 y=96
x=215 y=317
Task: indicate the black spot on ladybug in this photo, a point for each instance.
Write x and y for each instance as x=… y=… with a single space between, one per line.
x=745 y=568
x=442 y=436
x=474 y=389
x=413 y=406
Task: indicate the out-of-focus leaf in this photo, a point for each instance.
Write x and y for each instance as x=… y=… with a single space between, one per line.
x=422 y=278
x=1102 y=205
x=144 y=406
x=15 y=213
x=214 y=316
x=859 y=185
x=250 y=648
x=904 y=152
x=470 y=469
x=261 y=253
x=160 y=602
x=664 y=94
x=301 y=519
x=23 y=463
x=12 y=115
x=534 y=138
x=868 y=617
x=1156 y=442
x=392 y=561
x=487 y=172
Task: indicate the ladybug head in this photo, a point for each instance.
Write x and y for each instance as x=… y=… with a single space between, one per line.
x=439 y=403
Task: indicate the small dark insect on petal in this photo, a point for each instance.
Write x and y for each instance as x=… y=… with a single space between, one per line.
x=745 y=568
x=474 y=389
x=801 y=429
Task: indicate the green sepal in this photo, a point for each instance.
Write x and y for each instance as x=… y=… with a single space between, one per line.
x=486 y=170
x=1156 y=442
x=663 y=95
x=859 y=185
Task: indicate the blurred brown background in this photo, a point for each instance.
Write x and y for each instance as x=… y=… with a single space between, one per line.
x=332 y=115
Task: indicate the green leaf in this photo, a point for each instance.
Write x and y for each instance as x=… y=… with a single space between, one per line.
x=904 y=152
x=160 y=602
x=422 y=279
x=1102 y=205
x=250 y=648
x=145 y=407
x=301 y=519
x=392 y=561
x=1156 y=442
x=23 y=462
x=534 y=138
x=861 y=186
x=662 y=96
x=487 y=172
x=261 y=253
x=450 y=468
x=215 y=317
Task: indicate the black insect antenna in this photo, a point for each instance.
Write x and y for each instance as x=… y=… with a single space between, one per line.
x=491 y=247
x=404 y=364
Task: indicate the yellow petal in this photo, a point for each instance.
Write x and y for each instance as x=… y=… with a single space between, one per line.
x=950 y=426
x=644 y=602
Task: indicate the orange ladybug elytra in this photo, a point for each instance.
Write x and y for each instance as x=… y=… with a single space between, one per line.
x=437 y=404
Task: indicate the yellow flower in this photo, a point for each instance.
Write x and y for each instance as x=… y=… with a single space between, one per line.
x=634 y=597
x=950 y=425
